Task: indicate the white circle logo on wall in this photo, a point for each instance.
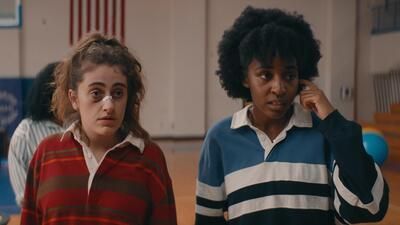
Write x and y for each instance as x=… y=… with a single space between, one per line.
x=8 y=108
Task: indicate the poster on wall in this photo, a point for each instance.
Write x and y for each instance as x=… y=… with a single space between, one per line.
x=11 y=105
x=10 y=13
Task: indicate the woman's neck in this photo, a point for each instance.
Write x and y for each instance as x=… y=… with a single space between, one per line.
x=98 y=142
x=270 y=126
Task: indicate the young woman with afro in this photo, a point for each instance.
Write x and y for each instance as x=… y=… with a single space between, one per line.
x=277 y=161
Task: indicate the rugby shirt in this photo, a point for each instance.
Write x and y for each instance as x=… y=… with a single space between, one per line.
x=130 y=186
x=23 y=144
x=314 y=172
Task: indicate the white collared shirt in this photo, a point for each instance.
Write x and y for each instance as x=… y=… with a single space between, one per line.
x=300 y=118
x=24 y=141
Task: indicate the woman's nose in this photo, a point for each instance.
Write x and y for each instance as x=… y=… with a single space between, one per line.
x=278 y=87
x=108 y=103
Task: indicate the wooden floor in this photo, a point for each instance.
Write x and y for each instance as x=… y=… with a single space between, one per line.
x=392 y=176
x=182 y=159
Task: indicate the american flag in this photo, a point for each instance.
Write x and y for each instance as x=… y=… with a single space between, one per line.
x=104 y=16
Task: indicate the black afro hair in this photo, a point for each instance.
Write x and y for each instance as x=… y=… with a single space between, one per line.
x=40 y=94
x=263 y=34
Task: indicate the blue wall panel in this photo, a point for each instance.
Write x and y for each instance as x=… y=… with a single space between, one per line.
x=13 y=92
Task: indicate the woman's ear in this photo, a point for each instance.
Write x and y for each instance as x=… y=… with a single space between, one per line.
x=73 y=98
x=245 y=82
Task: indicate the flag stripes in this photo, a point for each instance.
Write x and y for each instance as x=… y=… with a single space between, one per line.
x=104 y=16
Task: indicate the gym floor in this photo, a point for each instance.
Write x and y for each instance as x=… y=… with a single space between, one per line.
x=182 y=159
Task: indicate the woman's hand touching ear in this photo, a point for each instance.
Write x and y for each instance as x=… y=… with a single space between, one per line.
x=314 y=99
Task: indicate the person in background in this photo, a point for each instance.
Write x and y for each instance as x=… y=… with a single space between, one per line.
x=104 y=169
x=38 y=124
x=277 y=161
x=3 y=144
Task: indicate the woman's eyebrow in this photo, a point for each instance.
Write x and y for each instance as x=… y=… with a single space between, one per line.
x=97 y=83
x=119 y=85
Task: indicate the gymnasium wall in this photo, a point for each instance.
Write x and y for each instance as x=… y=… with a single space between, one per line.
x=176 y=41
x=376 y=54
x=385 y=52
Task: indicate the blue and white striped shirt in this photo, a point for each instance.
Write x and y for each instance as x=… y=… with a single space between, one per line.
x=26 y=137
x=314 y=172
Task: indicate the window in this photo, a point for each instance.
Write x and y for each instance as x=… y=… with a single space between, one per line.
x=10 y=13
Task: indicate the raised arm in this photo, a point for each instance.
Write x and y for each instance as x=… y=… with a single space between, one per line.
x=360 y=191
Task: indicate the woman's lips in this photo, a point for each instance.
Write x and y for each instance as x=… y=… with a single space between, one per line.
x=106 y=120
x=277 y=105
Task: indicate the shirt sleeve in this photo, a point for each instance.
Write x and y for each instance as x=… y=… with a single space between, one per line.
x=30 y=213
x=360 y=191
x=164 y=209
x=18 y=163
x=210 y=187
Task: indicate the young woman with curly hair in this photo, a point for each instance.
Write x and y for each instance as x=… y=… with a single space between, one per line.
x=277 y=161
x=103 y=169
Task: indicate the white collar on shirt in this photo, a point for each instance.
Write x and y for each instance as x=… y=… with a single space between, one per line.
x=300 y=118
x=74 y=130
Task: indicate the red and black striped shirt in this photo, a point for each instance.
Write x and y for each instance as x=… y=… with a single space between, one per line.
x=129 y=187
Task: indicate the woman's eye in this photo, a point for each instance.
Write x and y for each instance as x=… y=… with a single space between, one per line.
x=291 y=76
x=96 y=95
x=266 y=76
x=118 y=94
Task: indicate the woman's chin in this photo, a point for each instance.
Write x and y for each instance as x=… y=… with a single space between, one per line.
x=107 y=131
